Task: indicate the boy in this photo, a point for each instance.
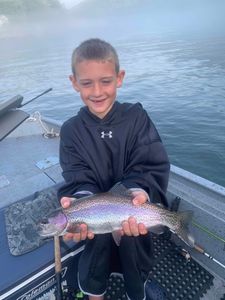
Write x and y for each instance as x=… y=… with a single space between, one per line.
x=105 y=144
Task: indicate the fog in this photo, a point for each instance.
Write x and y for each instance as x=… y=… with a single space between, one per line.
x=186 y=18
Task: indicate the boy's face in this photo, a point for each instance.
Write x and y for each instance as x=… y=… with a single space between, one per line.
x=97 y=83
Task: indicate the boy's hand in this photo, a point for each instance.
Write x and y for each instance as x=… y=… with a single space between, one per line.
x=130 y=227
x=83 y=234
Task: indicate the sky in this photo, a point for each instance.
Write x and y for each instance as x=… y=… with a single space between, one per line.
x=70 y=3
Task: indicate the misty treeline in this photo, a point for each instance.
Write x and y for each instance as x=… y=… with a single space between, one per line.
x=24 y=7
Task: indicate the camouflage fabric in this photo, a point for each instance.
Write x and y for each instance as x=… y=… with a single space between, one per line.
x=22 y=217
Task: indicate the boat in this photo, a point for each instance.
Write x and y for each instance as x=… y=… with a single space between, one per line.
x=29 y=177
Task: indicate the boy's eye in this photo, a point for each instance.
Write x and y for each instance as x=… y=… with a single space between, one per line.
x=85 y=83
x=106 y=81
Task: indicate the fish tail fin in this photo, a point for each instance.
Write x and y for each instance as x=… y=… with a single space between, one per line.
x=183 y=232
x=185 y=217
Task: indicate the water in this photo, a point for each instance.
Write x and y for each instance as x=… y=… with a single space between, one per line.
x=180 y=82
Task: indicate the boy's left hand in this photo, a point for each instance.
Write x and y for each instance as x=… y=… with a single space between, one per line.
x=130 y=227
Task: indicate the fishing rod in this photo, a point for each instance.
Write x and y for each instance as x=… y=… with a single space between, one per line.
x=58 y=268
x=199 y=249
x=31 y=100
x=213 y=235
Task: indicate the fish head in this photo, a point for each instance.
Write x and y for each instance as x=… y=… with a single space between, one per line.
x=53 y=224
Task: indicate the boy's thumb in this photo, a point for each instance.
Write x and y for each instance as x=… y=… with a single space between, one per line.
x=65 y=202
x=136 y=201
x=139 y=199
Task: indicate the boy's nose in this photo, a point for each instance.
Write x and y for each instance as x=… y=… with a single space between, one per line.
x=97 y=90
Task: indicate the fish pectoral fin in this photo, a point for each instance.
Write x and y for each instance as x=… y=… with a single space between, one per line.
x=73 y=228
x=117 y=236
x=157 y=229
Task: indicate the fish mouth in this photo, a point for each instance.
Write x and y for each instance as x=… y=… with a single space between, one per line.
x=52 y=226
x=45 y=231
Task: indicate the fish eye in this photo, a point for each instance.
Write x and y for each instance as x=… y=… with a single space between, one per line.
x=44 y=221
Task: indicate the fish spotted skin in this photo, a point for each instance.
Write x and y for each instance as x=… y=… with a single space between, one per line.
x=105 y=213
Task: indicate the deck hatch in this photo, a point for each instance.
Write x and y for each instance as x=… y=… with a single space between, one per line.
x=47 y=162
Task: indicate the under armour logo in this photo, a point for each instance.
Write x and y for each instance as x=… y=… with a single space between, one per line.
x=108 y=134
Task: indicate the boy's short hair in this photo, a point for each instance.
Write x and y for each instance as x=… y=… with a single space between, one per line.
x=94 y=49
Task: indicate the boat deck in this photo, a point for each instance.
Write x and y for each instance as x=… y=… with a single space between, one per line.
x=29 y=162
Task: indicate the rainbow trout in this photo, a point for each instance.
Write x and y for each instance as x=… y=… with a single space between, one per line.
x=105 y=212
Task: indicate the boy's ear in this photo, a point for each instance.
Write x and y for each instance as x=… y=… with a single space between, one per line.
x=120 y=77
x=74 y=82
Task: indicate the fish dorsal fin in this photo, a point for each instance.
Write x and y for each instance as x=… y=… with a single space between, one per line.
x=120 y=189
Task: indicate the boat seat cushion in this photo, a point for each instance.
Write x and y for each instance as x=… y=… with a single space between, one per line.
x=22 y=217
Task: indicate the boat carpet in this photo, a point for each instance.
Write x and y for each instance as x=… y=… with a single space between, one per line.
x=172 y=276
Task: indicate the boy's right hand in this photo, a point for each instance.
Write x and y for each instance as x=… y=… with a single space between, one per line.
x=83 y=234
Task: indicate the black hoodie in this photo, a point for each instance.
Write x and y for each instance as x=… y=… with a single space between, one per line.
x=123 y=147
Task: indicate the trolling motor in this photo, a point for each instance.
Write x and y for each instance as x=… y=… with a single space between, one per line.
x=11 y=117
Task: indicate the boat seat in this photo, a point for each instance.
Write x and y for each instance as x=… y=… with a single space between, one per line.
x=10 y=121
x=12 y=103
x=10 y=116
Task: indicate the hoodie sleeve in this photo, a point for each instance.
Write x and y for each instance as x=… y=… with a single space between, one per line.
x=79 y=179
x=148 y=166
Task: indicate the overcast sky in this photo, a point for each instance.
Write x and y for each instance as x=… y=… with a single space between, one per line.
x=70 y=3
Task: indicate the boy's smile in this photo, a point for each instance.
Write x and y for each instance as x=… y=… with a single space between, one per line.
x=97 y=83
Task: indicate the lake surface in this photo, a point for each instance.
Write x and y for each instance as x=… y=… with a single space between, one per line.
x=180 y=82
